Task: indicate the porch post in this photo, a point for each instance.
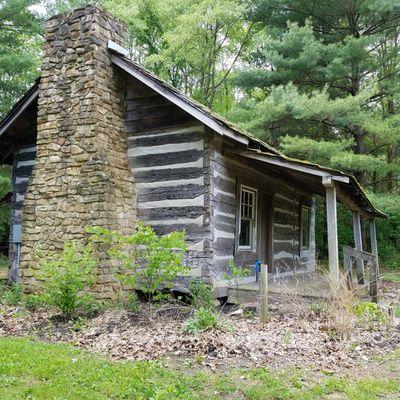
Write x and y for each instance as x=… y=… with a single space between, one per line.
x=358 y=245
x=331 y=220
x=375 y=266
x=374 y=242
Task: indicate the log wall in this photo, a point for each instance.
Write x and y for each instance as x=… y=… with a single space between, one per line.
x=23 y=162
x=278 y=217
x=167 y=155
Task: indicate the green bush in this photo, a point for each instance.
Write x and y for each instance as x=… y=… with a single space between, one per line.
x=201 y=295
x=203 y=319
x=65 y=278
x=149 y=262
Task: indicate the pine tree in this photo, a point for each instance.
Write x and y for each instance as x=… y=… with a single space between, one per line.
x=326 y=71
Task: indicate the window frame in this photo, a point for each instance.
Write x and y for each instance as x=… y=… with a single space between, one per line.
x=308 y=208
x=253 y=232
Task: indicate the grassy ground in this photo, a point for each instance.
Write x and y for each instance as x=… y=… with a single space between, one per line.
x=391 y=277
x=34 y=370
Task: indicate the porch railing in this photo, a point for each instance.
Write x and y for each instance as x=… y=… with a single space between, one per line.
x=370 y=261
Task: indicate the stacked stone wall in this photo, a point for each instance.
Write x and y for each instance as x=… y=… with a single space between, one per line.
x=81 y=177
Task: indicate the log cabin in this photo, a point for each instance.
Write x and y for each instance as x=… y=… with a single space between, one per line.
x=100 y=141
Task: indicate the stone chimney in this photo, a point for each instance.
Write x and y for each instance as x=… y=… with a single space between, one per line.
x=81 y=177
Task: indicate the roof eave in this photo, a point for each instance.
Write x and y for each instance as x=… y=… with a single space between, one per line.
x=22 y=104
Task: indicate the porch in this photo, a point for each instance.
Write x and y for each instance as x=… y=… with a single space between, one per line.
x=361 y=269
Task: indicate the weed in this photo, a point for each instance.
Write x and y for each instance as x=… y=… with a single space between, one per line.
x=235 y=276
x=201 y=295
x=12 y=295
x=203 y=319
x=368 y=313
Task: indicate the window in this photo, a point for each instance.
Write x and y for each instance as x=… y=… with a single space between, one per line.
x=305 y=228
x=248 y=212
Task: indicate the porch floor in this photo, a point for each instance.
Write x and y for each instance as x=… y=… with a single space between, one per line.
x=313 y=285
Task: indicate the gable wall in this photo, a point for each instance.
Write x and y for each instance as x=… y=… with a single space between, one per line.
x=168 y=158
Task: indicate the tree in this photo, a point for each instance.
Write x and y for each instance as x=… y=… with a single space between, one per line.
x=192 y=44
x=19 y=50
x=324 y=72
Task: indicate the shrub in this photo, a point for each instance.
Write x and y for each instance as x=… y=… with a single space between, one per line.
x=203 y=319
x=201 y=295
x=149 y=261
x=65 y=278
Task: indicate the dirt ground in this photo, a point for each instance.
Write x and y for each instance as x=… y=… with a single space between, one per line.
x=298 y=334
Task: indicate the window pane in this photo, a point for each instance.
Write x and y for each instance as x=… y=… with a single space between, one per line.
x=305 y=227
x=245 y=232
x=247 y=217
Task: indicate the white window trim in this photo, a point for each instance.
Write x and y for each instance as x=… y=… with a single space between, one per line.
x=303 y=248
x=253 y=245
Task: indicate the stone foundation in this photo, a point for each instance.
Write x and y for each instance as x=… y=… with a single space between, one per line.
x=81 y=177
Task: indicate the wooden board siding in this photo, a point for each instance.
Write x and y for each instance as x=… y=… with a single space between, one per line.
x=278 y=203
x=167 y=155
x=23 y=162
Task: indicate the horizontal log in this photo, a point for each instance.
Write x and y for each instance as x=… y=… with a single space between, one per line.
x=157 y=140
x=154 y=110
x=225 y=184
x=223 y=207
x=193 y=232
x=223 y=246
x=168 y=174
x=26 y=156
x=156 y=122
x=24 y=170
x=170 y=212
x=166 y=158
x=224 y=198
x=147 y=101
x=224 y=227
x=226 y=219
x=171 y=192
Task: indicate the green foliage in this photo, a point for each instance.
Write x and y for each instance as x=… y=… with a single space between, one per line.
x=149 y=261
x=236 y=273
x=201 y=295
x=368 y=312
x=235 y=276
x=19 y=50
x=192 y=44
x=12 y=296
x=203 y=319
x=387 y=230
x=319 y=308
x=65 y=278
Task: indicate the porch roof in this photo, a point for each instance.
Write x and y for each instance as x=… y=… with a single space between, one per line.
x=16 y=126
x=313 y=177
